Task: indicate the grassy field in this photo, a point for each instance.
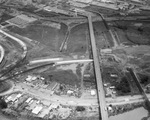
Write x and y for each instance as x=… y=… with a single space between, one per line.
x=46 y=35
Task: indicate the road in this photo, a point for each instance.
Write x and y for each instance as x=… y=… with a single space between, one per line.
x=45 y=94
x=100 y=89
x=44 y=60
x=22 y=44
x=2 y=53
x=59 y=61
x=15 y=63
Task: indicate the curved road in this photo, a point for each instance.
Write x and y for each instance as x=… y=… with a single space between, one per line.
x=2 y=52
x=15 y=63
x=24 y=47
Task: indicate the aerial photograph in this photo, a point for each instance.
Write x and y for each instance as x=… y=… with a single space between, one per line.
x=74 y=59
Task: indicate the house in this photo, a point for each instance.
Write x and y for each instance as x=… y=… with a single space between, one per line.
x=53 y=106
x=52 y=86
x=37 y=109
x=28 y=100
x=31 y=78
x=44 y=112
x=33 y=105
x=15 y=97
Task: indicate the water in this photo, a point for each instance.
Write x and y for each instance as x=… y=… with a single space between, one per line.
x=136 y=114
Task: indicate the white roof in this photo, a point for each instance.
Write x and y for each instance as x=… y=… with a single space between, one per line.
x=93 y=92
x=34 y=78
x=69 y=92
x=28 y=100
x=29 y=78
x=42 y=78
x=37 y=109
x=16 y=97
x=9 y=98
x=53 y=105
x=19 y=95
x=31 y=102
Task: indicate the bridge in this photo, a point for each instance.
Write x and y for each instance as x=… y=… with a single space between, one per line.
x=100 y=89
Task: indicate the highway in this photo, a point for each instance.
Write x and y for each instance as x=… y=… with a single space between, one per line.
x=2 y=53
x=100 y=89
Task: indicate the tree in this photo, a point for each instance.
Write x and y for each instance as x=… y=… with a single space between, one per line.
x=123 y=86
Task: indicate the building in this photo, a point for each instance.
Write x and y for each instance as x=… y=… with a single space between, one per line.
x=43 y=113
x=37 y=109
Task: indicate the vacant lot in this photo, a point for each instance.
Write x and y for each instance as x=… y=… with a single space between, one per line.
x=46 y=35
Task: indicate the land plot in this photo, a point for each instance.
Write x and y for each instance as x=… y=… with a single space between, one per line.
x=47 y=35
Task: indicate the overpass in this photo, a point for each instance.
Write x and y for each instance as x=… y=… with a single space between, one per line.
x=100 y=89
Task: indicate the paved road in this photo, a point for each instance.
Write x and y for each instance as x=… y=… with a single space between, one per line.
x=59 y=61
x=45 y=94
x=100 y=89
x=15 y=63
x=22 y=44
x=2 y=53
